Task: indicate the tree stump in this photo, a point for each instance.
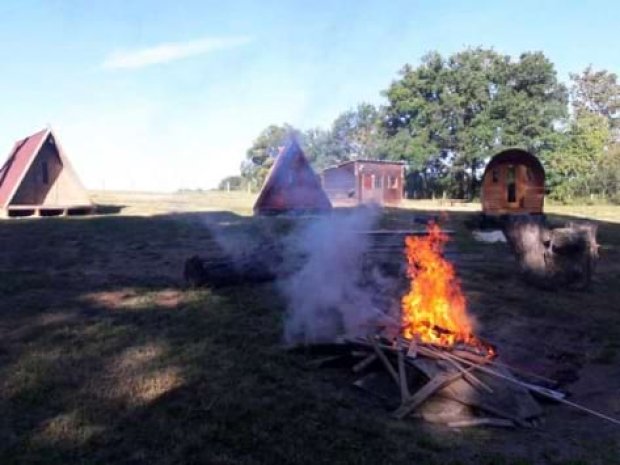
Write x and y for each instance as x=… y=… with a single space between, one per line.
x=553 y=258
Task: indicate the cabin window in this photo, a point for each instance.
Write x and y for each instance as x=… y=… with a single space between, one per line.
x=368 y=180
x=392 y=182
x=378 y=182
x=45 y=175
x=529 y=175
x=511 y=184
x=495 y=176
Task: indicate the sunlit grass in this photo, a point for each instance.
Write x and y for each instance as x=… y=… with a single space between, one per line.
x=241 y=202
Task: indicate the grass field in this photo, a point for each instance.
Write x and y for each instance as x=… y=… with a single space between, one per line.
x=106 y=357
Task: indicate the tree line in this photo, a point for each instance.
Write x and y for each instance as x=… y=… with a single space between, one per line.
x=447 y=116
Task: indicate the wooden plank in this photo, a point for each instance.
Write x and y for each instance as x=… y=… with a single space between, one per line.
x=364 y=363
x=402 y=374
x=437 y=382
x=482 y=422
x=468 y=376
x=508 y=401
x=384 y=360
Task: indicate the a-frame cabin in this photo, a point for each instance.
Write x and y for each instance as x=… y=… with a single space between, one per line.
x=37 y=179
x=291 y=186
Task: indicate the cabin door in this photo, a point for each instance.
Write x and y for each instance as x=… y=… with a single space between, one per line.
x=372 y=188
x=514 y=185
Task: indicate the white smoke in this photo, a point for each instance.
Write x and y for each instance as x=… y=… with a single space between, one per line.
x=333 y=293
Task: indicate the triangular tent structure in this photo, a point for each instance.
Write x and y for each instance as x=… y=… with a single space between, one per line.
x=291 y=185
x=37 y=179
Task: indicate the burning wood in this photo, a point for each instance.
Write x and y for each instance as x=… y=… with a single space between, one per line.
x=434 y=310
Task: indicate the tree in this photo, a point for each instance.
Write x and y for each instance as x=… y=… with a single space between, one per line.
x=572 y=168
x=262 y=153
x=530 y=104
x=453 y=113
x=607 y=175
x=356 y=133
x=597 y=92
x=233 y=183
x=319 y=147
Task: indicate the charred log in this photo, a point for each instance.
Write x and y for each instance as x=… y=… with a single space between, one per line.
x=554 y=258
x=227 y=271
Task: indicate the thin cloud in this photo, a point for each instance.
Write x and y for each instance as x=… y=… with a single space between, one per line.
x=165 y=53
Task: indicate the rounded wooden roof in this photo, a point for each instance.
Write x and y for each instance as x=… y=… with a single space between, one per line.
x=515 y=156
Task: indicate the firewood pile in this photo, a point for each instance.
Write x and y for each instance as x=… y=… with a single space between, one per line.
x=456 y=386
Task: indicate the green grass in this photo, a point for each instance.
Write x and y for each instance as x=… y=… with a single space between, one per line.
x=105 y=357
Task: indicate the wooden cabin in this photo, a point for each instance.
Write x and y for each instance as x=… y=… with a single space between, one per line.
x=365 y=181
x=37 y=179
x=513 y=182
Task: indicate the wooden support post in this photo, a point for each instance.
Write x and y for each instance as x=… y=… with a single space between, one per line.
x=402 y=373
x=364 y=363
x=385 y=360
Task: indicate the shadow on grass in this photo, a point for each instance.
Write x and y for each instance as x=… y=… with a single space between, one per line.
x=106 y=357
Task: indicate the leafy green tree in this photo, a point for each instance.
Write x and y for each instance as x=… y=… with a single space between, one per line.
x=319 y=147
x=442 y=107
x=607 y=175
x=452 y=113
x=356 y=133
x=597 y=92
x=572 y=168
x=530 y=103
x=232 y=183
x=262 y=153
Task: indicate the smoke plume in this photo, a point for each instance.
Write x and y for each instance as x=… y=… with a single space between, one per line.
x=333 y=293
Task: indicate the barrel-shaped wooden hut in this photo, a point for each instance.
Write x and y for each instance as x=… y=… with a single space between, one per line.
x=513 y=182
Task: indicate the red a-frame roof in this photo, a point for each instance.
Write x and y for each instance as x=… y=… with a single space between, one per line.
x=14 y=169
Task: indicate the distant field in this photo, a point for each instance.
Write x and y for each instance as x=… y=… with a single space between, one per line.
x=149 y=203
x=145 y=204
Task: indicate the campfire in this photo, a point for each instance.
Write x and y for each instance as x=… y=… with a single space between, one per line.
x=434 y=311
x=430 y=364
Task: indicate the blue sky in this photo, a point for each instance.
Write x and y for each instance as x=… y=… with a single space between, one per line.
x=158 y=95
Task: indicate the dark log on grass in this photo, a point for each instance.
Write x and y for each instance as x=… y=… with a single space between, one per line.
x=553 y=258
x=199 y=272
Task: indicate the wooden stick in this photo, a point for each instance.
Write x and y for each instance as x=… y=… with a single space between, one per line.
x=364 y=363
x=524 y=372
x=435 y=384
x=384 y=360
x=550 y=393
x=482 y=422
x=412 y=350
x=468 y=376
x=402 y=373
x=319 y=362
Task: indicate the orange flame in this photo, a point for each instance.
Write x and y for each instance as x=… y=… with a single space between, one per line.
x=434 y=310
